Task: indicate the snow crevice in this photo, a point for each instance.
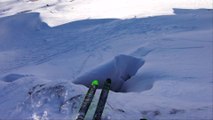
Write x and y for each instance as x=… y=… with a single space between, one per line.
x=120 y=69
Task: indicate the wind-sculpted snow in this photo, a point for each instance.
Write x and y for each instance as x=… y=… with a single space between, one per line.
x=120 y=69
x=17 y=31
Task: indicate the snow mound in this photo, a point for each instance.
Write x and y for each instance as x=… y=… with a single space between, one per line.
x=18 y=27
x=24 y=22
x=120 y=69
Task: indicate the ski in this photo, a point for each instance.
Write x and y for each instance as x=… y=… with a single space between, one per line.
x=102 y=100
x=87 y=100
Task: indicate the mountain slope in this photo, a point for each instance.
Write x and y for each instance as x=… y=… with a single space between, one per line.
x=162 y=64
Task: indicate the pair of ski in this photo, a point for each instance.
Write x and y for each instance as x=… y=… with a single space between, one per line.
x=88 y=99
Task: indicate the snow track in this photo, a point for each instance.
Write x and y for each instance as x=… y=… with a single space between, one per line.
x=90 y=37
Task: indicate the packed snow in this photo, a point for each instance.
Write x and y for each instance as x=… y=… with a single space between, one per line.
x=159 y=55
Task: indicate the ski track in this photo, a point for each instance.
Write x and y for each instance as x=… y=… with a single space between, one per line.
x=71 y=43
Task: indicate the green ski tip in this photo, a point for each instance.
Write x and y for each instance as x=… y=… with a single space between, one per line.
x=95 y=82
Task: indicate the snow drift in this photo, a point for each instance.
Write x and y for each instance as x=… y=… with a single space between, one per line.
x=120 y=69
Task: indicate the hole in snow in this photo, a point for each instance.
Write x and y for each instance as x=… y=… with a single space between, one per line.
x=120 y=69
x=12 y=77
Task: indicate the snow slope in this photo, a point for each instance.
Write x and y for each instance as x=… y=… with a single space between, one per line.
x=45 y=46
x=57 y=12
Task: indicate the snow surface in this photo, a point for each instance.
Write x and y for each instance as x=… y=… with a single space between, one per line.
x=158 y=53
x=57 y=12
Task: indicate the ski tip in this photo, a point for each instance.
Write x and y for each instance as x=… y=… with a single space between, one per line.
x=95 y=83
x=108 y=80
